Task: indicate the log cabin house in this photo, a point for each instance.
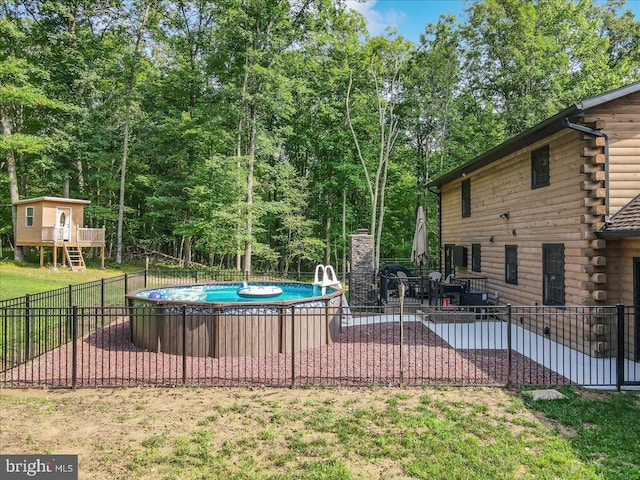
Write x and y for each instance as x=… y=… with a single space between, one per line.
x=551 y=217
x=57 y=223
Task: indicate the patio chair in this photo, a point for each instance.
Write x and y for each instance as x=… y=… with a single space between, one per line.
x=435 y=276
x=409 y=287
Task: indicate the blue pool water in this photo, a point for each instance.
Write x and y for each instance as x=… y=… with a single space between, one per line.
x=226 y=293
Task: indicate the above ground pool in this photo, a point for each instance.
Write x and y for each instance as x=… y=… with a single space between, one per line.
x=228 y=292
x=213 y=320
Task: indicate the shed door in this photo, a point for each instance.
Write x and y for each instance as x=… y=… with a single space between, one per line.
x=63 y=223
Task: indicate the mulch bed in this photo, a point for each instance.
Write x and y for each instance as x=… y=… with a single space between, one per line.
x=362 y=355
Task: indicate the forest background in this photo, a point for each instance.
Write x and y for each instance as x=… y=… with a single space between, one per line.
x=261 y=133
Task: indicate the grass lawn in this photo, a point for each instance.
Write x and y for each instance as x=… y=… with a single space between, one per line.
x=332 y=433
x=603 y=429
x=19 y=279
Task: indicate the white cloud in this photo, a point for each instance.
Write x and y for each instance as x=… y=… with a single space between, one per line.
x=377 y=21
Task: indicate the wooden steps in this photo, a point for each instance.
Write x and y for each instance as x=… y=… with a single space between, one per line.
x=73 y=254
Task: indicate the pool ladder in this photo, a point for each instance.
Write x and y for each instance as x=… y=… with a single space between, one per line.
x=329 y=277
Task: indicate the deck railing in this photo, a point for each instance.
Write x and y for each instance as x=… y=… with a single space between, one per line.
x=83 y=235
x=51 y=234
x=90 y=235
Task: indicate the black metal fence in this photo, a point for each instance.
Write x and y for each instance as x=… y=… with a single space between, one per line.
x=111 y=291
x=422 y=289
x=335 y=345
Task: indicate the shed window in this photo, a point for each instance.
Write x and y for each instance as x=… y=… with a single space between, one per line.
x=553 y=274
x=466 y=198
x=540 y=167
x=475 y=257
x=28 y=217
x=511 y=264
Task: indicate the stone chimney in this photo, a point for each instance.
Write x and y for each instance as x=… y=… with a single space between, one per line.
x=362 y=278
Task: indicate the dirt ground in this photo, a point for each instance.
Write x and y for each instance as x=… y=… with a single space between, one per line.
x=95 y=422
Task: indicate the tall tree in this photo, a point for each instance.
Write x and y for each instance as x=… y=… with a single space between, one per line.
x=431 y=85
x=145 y=7
x=526 y=60
x=320 y=146
x=384 y=62
x=184 y=120
x=22 y=99
x=253 y=35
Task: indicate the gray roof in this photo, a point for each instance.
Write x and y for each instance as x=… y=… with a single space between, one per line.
x=538 y=132
x=52 y=199
x=625 y=223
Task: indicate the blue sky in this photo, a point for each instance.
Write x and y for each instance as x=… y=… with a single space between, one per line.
x=410 y=17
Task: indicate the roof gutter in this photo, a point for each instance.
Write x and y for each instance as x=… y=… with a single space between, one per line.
x=538 y=132
x=596 y=133
x=618 y=234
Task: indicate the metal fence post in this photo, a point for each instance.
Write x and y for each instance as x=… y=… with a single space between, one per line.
x=293 y=345
x=126 y=284
x=69 y=329
x=146 y=270
x=620 y=350
x=102 y=292
x=509 y=324
x=401 y=292
x=27 y=327
x=184 y=344
x=74 y=347
x=5 y=339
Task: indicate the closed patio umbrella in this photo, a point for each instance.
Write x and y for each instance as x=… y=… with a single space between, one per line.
x=419 y=250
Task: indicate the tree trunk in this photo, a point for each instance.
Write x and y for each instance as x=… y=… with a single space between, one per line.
x=239 y=170
x=66 y=188
x=80 y=170
x=125 y=147
x=186 y=260
x=13 y=184
x=344 y=236
x=373 y=191
x=327 y=251
x=245 y=86
x=250 y=163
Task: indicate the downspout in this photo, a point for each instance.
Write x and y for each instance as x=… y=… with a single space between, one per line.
x=596 y=133
x=439 y=194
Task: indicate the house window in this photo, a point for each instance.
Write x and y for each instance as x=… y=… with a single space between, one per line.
x=540 y=167
x=511 y=264
x=466 y=198
x=475 y=257
x=553 y=274
x=28 y=217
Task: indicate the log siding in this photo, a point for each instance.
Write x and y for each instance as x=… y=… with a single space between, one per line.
x=620 y=119
x=506 y=211
x=591 y=178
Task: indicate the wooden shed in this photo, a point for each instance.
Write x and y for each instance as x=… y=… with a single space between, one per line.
x=57 y=223
x=542 y=216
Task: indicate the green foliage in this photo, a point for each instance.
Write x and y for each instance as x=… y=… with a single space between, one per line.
x=238 y=133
